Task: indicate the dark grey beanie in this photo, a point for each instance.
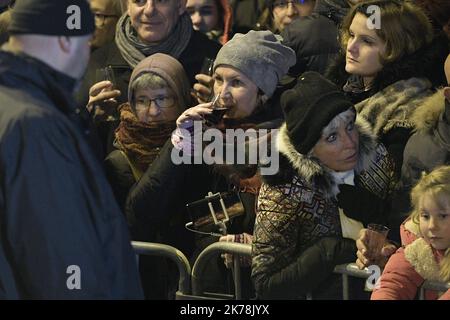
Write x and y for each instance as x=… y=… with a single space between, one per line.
x=52 y=17
x=259 y=55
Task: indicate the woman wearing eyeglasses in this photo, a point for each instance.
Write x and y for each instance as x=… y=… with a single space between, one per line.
x=158 y=92
x=280 y=13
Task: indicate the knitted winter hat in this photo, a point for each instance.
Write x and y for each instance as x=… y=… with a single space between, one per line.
x=260 y=56
x=52 y=17
x=309 y=107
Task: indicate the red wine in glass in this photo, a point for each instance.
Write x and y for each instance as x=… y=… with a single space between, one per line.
x=217 y=113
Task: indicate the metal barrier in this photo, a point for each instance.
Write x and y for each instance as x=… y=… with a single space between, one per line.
x=352 y=270
x=163 y=250
x=347 y=270
x=212 y=251
x=157 y=249
x=434 y=286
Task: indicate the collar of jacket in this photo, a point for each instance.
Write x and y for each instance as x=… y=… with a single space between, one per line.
x=39 y=79
x=423 y=258
x=315 y=173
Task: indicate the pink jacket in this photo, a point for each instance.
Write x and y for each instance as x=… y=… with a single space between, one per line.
x=408 y=268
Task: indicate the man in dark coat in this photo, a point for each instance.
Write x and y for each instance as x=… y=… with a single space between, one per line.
x=62 y=233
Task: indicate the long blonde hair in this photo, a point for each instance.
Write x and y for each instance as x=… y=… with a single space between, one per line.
x=437 y=185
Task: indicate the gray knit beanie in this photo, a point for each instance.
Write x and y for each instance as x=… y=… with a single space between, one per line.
x=260 y=56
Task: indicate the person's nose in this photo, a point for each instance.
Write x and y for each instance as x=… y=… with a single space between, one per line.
x=433 y=225
x=149 y=7
x=196 y=20
x=349 y=140
x=225 y=94
x=292 y=10
x=352 y=47
x=153 y=109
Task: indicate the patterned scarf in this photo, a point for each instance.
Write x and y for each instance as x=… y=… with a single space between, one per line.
x=140 y=141
x=133 y=50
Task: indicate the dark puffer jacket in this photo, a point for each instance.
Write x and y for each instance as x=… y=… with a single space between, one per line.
x=314 y=38
x=428 y=148
x=298 y=209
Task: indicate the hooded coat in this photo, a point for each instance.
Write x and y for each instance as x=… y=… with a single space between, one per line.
x=57 y=212
x=297 y=209
x=429 y=146
x=426 y=149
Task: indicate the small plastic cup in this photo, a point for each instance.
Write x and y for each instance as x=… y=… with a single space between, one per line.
x=377 y=235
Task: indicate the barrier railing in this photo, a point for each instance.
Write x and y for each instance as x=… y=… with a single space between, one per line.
x=163 y=250
x=433 y=285
x=212 y=251
x=187 y=277
x=352 y=270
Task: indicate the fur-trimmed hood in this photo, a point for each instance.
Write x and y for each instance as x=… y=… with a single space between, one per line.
x=426 y=62
x=427 y=116
x=310 y=170
x=423 y=258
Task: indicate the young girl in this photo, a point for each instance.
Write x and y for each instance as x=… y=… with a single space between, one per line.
x=428 y=256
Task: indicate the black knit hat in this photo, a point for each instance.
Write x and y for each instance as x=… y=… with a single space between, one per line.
x=309 y=107
x=52 y=17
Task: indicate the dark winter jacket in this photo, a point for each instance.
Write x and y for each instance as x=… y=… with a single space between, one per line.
x=314 y=38
x=298 y=207
x=58 y=216
x=120 y=175
x=428 y=148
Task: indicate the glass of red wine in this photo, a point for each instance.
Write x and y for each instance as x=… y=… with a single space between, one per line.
x=218 y=112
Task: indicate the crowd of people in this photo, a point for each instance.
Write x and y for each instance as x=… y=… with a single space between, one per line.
x=107 y=108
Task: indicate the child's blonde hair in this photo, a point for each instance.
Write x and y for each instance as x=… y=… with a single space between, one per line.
x=437 y=185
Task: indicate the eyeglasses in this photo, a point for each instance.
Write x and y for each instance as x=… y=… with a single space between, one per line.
x=162 y=102
x=100 y=18
x=156 y=3
x=284 y=4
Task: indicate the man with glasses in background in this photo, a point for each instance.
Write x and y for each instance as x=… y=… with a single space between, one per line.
x=107 y=13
